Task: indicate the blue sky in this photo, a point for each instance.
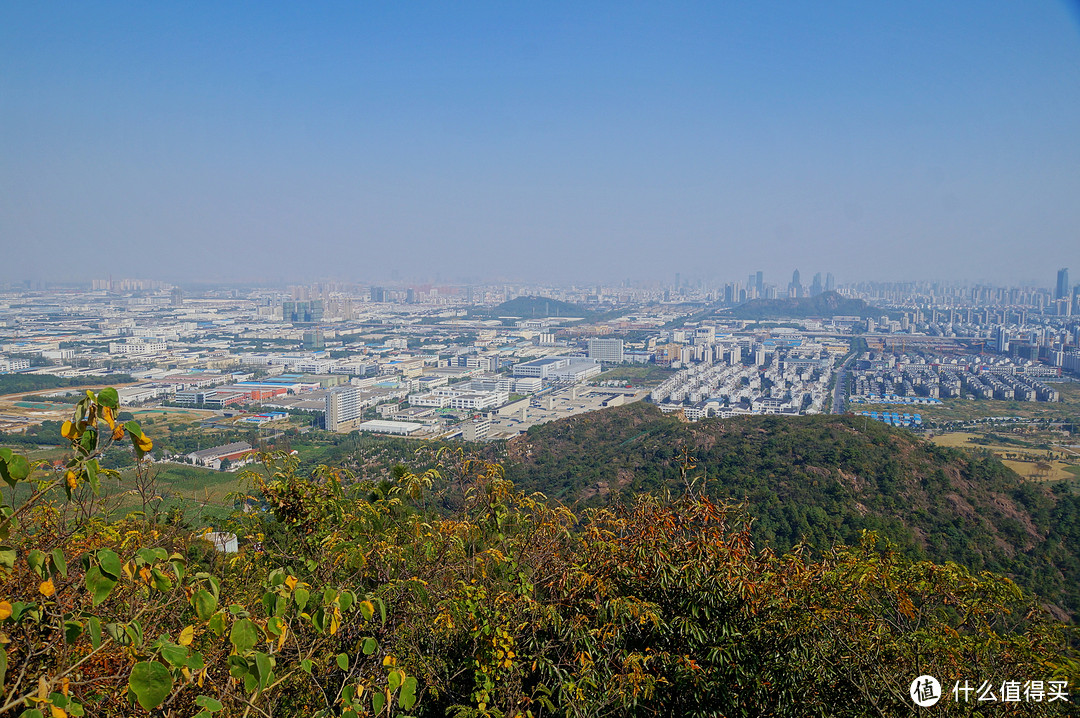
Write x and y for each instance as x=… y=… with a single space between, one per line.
x=540 y=141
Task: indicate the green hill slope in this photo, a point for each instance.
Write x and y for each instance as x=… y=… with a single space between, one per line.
x=535 y=308
x=822 y=480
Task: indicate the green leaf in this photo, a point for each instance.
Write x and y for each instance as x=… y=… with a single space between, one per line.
x=343 y=661
x=161 y=582
x=72 y=631
x=174 y=655
x=33 y=713
x=36 y=560
x=3 y=668
x=59 y=561
x=408 y=694
x=370 y=644
x=88 y=441
x=196 y=662
x=7 y=557
x=264 y=668
x=393 y=680
x=109 y=397
x=244 y=635
x=208 y=703
x=18 y=468
x=133 y=428
x=110 y=563
x=151 y=683
x=305 y=665
x=205 y=604
x=346 y=600
x=217 y=623
x=378 y=701
x=94 y=626
x=99 y=585
x=92 y=470
x=301 y=596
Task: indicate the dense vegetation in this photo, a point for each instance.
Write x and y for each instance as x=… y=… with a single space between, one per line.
x=452 y=592
x=534 y=307
x=822 y=480
x=826 y=304
x=16 y=383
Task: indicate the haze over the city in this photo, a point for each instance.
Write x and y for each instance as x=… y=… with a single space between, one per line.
x=359 y=141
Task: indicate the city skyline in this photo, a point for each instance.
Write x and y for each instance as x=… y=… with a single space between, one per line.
x=547 y=144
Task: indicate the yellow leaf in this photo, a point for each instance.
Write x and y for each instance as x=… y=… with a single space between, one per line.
x=186 y=636
x=107 y=415
x=144 y=443
x=72 y=480
x=281 y=638
x=118 y=432
x=335 y=622
x=57 y=712
x=5 y=610
x=67 y=430
x=291 y=582
x=46 y=588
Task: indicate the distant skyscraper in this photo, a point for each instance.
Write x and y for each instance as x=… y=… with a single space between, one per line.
x=796 y=284
x=815 y=286
x=1062 y=284
x=830 y=282
x=760 y=278
x=1002 y=340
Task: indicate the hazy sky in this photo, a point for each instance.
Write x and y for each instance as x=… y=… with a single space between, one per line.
x=544 y=140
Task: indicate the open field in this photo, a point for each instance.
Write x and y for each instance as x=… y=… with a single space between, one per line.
x=1027 y=456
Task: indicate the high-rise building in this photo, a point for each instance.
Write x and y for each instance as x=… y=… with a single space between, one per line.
x=795 y=288
x=830 y=282
x=760 y=283
x=342 y=407
x=606 y=350
x=1063 y=288
x=815 y=286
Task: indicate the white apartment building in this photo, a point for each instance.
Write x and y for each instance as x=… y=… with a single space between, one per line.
x=606 y=350
x=343 y=407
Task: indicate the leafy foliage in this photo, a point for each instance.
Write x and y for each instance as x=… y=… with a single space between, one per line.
x=353 y=597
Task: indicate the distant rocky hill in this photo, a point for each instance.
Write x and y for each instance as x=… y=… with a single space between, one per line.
x=822 y=479
x=827 y=304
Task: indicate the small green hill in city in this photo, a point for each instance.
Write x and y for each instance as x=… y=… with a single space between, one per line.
x=536 y=308
x=826 y=304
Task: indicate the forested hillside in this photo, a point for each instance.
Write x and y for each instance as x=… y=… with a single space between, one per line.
x=822 y=480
